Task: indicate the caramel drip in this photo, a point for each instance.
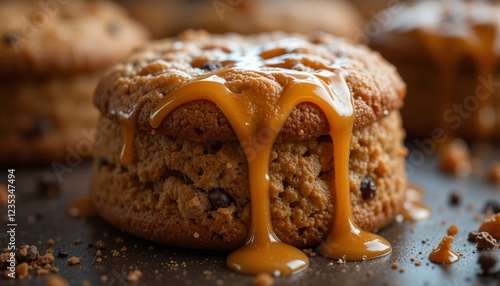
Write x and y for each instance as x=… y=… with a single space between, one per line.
x=413 y=208
x=444 y=254
x=128 y=122
x=263 y=251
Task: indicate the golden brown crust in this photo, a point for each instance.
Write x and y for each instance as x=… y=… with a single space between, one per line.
x=163 y=195
x=47 y=37
x=163 y=66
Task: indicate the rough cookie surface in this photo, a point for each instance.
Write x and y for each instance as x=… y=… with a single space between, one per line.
x=136 y=85
x=195 y=194
x=47 y=37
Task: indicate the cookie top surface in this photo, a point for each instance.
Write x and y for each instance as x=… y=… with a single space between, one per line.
x=136 y=85
x=51 y=37
x=471 y=26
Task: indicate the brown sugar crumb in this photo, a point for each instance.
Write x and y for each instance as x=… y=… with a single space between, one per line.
x=370 y=273
x=263 y=279
x=310 y=252
x=472 y=236
x=395 y=265
x=485 y=241
x=452 y=230
x=3 y=195
x=55 y=280
x=455 y=158
x=487 y=261
x=134 y=275
x=22 y=270
x=74 y=260
x=455 y=198
x=494 y=173
x=492 y=226
x=51 y=242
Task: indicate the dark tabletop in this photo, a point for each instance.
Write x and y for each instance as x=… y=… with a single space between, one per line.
x=40 y=219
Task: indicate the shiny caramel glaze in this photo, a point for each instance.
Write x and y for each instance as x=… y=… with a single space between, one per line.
x=444 y=254
x=250 y=115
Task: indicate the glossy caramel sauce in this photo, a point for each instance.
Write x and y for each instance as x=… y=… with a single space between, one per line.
x=413 y=208
x=326 y=88
x=492 y=226
x=452 y=31
x=444 y=254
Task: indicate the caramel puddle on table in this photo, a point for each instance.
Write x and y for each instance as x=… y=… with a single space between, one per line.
x=444 y=254
x=413 y=208
x=263 y=251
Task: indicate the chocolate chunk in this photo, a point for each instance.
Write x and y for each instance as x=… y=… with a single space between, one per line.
x=102 y=161
x=487 y=261
x=473 y=235
x=493 y=206
x=455 y=198
x=211 y=66
x=114 y=28
x=41 y=127
x=100 y=245
x=48 y=185
x=62 y=254
x=11 y=38
x=219 y=198
x=368 y=188
x=485 y=241
x=27 y=253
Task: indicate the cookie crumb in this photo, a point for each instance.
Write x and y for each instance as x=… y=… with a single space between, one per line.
x=55 y=280
x=196 y=235
x=401 y=270
x=134 y=275
x=22 y=270
x=263 y=279
x=119 y=240
x=74 y=260
x=492 y=226
x=115 y=253
x=206 y=273
x=104 y=278
x=455 y=158
x=370 y=273
x=418 y=263
x=100 y=245
x=51 y=241
x=310 y=252
x=78 y=241
x=452 y=230
x=395 y=265
x=485 y=241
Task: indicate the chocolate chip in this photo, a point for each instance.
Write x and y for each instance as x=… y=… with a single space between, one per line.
x=485 y=241
x=11 y=38
x=487 y=261
x=41 y=127
x=100 y=245
x=114 y=28
x=455 y=198
x=102 y=161
x=48 y=185
x=62 y=254
x=27 y=253
x=472 y=236
x=493 y=206
x=211 y=66
x=368 y=188
x=219 y=198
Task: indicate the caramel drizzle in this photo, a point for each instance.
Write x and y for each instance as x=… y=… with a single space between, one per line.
x=264 y=252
